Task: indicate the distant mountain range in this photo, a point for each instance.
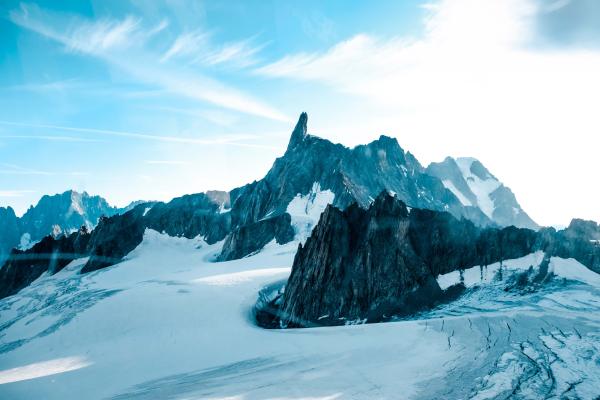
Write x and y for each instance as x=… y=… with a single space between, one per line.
x=52 y=215
x=284 y=205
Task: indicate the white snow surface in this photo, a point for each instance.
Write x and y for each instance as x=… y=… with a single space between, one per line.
x=450 y=186
x=25 y=243
x=482 y=189
x=168 y=323
x=168 y=312
x=485 y=274
x=305 y=210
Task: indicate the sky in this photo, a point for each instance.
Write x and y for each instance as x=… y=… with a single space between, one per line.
x=155 y=99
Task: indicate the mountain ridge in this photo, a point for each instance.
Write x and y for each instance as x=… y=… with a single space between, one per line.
x=54 y=214
x=250 y=216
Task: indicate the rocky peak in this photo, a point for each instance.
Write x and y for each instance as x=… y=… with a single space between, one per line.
x=588 y=230
x=299 y=132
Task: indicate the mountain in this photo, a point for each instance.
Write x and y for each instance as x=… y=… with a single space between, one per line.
x=9 y=231
x=283 y=206
x=351 y=175
x=474 y=185
x=372 y=264
x=65 y=212
x=57 y=214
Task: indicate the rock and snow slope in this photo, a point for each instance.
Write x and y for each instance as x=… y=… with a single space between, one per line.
x=475 y=186
x=168 y=323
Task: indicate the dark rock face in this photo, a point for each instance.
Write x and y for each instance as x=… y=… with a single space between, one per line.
x=250 y=238
x=50 y=254
x=113 y=238
x=371 y=264
x=580 y=240
x=190 y=216
x=358 y=264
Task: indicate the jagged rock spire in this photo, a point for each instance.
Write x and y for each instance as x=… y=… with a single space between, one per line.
x=299 y=132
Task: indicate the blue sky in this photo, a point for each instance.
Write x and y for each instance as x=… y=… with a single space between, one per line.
x=150 y=100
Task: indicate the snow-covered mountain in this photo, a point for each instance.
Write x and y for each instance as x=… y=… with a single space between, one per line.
x=283 y=205
x=52 y=215
x=474 y=185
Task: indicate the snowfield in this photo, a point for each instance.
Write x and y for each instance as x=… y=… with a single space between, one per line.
x=169 y=323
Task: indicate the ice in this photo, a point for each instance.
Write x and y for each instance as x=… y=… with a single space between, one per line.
x=305 y=210
x=571 y=269
x=169 y=322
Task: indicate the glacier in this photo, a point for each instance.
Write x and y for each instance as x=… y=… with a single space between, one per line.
x=168 y=322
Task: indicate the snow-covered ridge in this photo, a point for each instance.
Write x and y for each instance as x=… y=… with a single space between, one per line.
x=481 y=188
x=305 y=210
x=461 y=197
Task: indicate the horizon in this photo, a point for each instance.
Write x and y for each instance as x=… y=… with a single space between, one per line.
x=134 y=101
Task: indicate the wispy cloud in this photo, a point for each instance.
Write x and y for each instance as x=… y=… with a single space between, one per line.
x=12 y=169
x=58 y=85
x=104 y=35
x=198 y=48
x=189 y=43
x=166 y=162
x=228 y=139
x=217 y=117
x=122 y=44
x=50 y=138
x=15 y=193
x=243 y=53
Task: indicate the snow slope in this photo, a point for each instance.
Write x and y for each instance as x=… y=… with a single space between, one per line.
x=461 y=197
x=306 y=210
x=481 y=188
x=168 y=323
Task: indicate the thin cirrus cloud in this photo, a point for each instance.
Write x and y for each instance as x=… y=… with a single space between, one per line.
x=15 y=193
x=12 y=169
x=227 y=140
x=197 y=48
x=166 y=162
x=51 y=138
x=121 y=44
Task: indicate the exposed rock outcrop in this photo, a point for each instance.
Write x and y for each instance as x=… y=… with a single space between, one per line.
x=251 y=238
x=371 y=264
x=48 y=255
